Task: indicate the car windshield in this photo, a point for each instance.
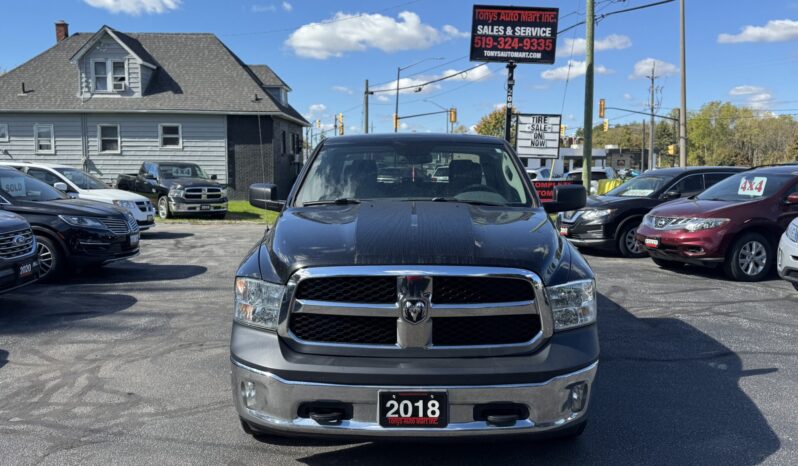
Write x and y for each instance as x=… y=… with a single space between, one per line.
x=641 y=186
x=746 y=186
x=82 y=179
x=477 y=173
x=181 y=170
x=15 y=185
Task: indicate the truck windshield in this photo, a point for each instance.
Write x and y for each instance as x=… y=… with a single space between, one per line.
x=746 y=186
x=400 y=171
x=181 y=170
x=641 y=186
x=82 y=179
x=16 y=185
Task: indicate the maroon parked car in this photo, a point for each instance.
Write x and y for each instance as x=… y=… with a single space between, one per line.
x=736 y=223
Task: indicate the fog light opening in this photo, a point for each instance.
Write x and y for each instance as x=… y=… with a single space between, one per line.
x=577 y=397
x=248 y=393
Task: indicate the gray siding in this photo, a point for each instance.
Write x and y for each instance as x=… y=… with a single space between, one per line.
x=146 y=75
x=204 y=141
x=111 y=50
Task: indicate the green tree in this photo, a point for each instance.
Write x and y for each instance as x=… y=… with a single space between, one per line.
x=492 y=124
x=461 y=129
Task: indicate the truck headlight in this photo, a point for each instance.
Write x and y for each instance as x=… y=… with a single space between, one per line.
x=258 y=303
x=697 y=224
x=792 y=231
x=85 y=222
x=573 y=304
x=176 y=192
x=595 y=214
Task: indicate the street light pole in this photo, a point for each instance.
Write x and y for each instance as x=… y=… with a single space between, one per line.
x=398 y=73
x=683 y=103
x=447 y=114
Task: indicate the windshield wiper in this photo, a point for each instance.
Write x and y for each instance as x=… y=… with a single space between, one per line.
x=339 y=201
x=465 y=201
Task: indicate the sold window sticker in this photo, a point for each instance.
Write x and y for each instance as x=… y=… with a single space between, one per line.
x=14 y=186
x=752 y=187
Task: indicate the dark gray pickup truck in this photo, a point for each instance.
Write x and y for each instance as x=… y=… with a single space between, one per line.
x=415 y=307
x=177 y=188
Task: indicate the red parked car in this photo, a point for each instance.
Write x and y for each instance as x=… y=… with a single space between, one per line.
x=736 y=223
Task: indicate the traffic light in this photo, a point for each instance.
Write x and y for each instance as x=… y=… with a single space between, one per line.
x=452 y=115
x=562 y=130
x=602 y=108
x=672 y=149
x=606 y=125
x=395 y=122
x=340 y=119
x=318 y=124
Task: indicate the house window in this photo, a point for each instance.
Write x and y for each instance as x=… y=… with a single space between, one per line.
x=109 y=75
x=108 y=139
x=3 y=132
x=171 y=135
x=43 y=139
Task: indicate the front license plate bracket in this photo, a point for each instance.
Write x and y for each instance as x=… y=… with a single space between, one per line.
x=413 y=409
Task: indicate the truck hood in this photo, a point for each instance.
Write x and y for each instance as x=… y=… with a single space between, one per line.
x=190 y=183
x=702 y=209
x=413 y=233
x=109 y=195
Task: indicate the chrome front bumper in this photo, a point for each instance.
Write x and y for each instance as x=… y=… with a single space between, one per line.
x=275 y=405
x=185 y=208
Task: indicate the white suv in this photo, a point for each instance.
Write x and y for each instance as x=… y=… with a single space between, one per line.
x=78 y=183
x=787 y=257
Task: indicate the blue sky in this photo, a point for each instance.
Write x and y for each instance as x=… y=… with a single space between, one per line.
x=738 y=51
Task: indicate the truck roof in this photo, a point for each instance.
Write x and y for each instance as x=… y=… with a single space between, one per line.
x=435 y=138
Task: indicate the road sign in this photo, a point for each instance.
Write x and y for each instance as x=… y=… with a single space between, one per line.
x=537 y=135
x=514 y=34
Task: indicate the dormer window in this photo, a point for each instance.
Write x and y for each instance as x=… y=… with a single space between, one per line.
x=109 y=75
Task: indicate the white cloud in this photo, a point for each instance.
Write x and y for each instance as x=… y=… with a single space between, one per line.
x=643 y=68
x=135 y=7
x=256 y=8
x=315 y=111
x=382 y=98
x=577 y=68
x=453 y=32
x=413 y=84
x=777 y=30
x=755 y=97
x=356 y=33
x=479 y=73
x=611 y=42
x=746 y=90
x=628 y=97
x=342 y=90
x=287 y=6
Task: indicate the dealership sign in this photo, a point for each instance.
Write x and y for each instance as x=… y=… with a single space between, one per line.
x=545 y=188
x=537 y=135
x=514 y=34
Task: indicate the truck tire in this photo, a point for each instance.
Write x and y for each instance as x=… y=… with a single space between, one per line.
x=163 y=208
x=750 y=258
x=627 y=244
x=52 y=260
x=666 y=264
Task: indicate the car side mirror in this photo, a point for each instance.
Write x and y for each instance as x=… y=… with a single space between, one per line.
x=566 y=197
x=214 y=177
x=264 y=196
x=61 y=186
x=792 y=198
x=670 y=195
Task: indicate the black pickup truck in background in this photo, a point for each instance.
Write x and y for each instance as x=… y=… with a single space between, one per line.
x=177 y=188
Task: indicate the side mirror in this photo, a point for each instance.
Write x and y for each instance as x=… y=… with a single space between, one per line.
x=61 y=186
x=566 y=197
x=263 y=196
x=214 y=177
x=792 y=198
x=671 y=195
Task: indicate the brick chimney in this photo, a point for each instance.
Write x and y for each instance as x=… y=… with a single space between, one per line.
x=61 y=30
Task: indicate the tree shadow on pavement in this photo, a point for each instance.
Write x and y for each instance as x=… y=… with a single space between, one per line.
x=34 y=311
x=147 y=235
x=127 y=272
x=666 y=393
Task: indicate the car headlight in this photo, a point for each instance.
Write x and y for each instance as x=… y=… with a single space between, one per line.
x=258 y=303
x=84 y=222
x=697 y=224
x=573 y=304
x=595 y=214
x=130 y=205
x=792 y=231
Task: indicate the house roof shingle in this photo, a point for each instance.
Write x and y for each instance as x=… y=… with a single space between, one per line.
x=196 y=73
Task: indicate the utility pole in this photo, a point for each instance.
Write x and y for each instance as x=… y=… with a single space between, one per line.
x=587 y=147
x=683 y=110
x=651 y=163
x=643 y=149
x=396 y=111
x=508 y=110
x=366 y=108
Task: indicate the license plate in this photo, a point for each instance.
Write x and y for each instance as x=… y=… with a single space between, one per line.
x=134 y=239
x=150 y=218
x=564 y=231
x=413 y=409
x=205 y=207
x=25 y=270
x=652 y=243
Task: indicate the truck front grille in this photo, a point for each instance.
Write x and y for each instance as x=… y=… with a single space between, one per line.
x=373 y=290
x=203 y=193
x=364 y=330
x=486 y=330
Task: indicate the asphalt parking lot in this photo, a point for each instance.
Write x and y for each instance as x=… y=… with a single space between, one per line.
x=129 y=365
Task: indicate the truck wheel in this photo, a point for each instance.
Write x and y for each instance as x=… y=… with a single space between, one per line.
x=666 y=264
x=163 y=208
x=627 y=243
x=51 y=259
x=750 y=259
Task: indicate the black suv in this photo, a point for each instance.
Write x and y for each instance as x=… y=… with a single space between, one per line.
x=407 y=307
x=610 y=221
x=18 y=264
x=68 y=231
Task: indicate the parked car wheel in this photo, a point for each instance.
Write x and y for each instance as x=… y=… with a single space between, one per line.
x=51 y=259
x=666 y=264
x=163 y=208
x=750 y=259
x=628 y=244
